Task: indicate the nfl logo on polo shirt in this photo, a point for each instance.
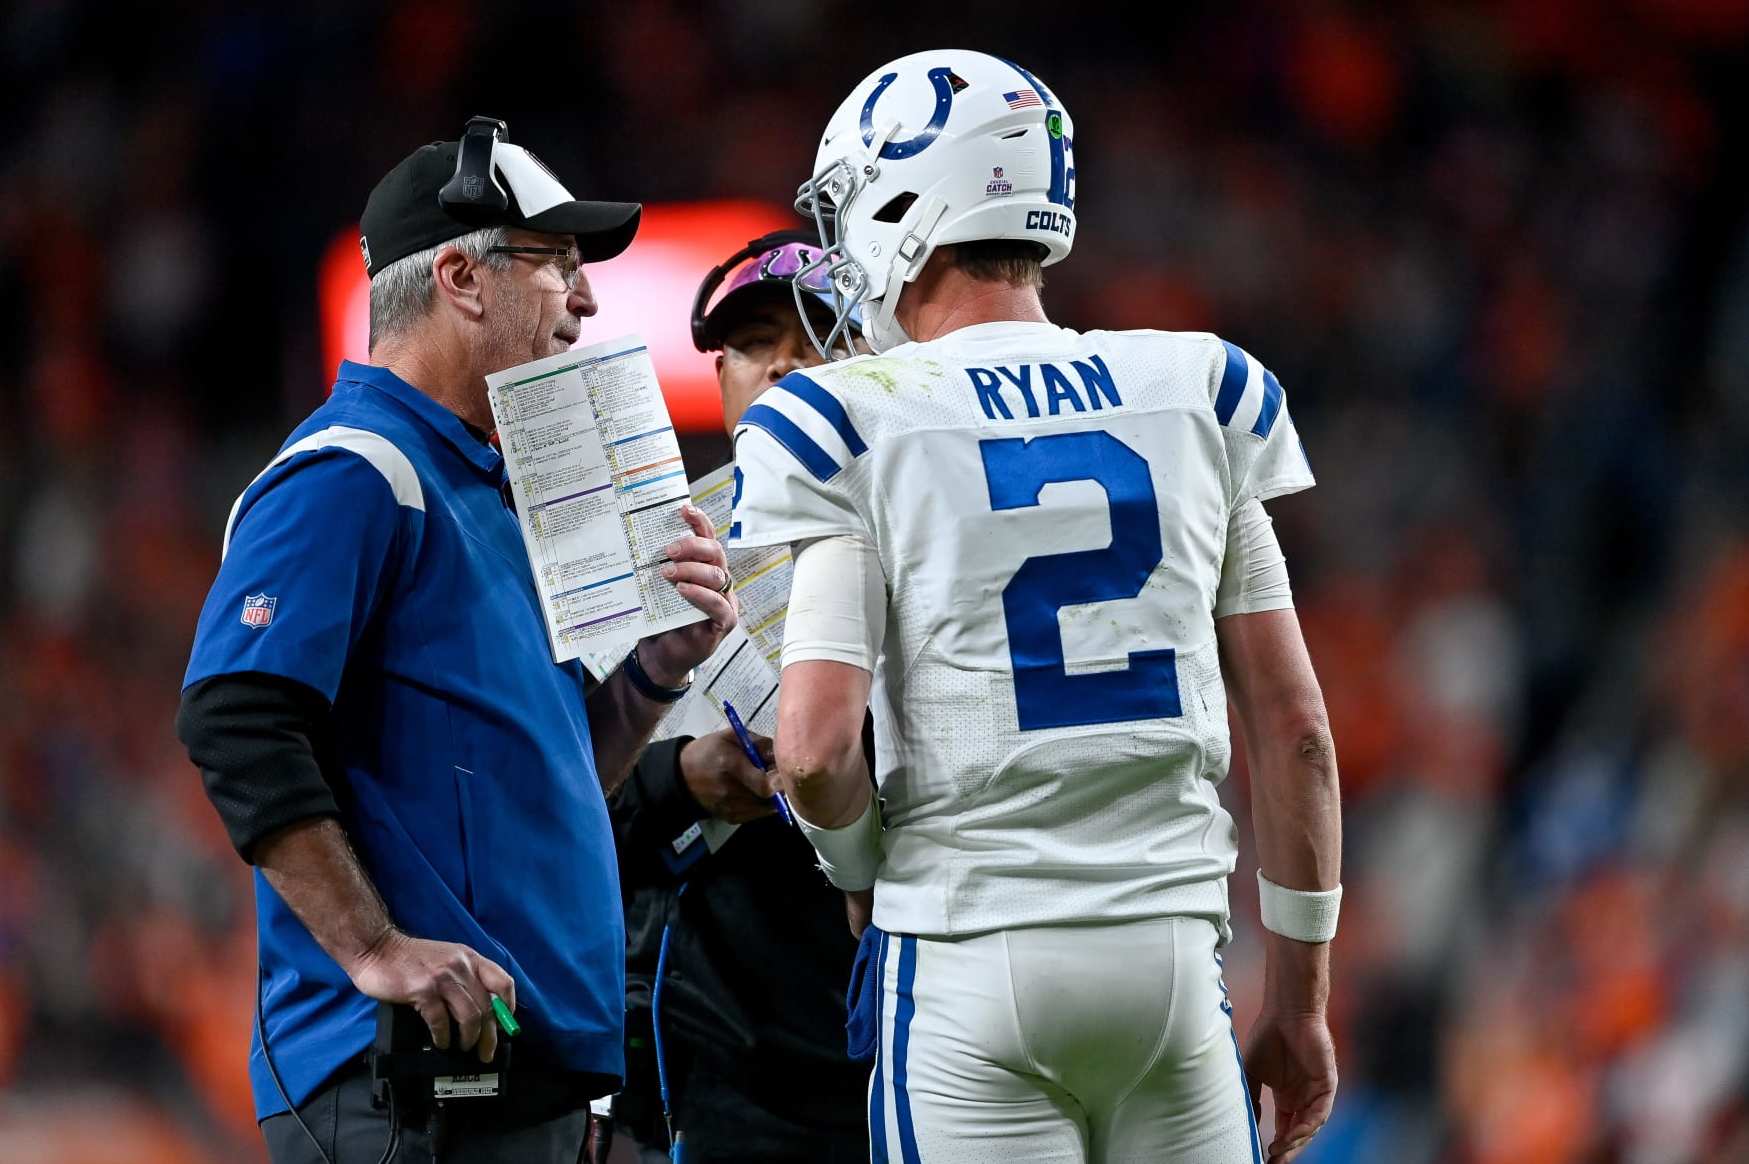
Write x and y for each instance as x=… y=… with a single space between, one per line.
x=258 y=609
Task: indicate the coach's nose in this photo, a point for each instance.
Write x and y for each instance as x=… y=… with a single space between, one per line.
x=789 y=354
x=581 y=299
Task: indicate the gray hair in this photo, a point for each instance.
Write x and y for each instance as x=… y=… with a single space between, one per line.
x=400 y=295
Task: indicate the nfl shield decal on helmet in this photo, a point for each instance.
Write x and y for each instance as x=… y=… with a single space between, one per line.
x=258 y=609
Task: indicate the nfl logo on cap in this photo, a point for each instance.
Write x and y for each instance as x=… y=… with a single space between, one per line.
x=258 y=609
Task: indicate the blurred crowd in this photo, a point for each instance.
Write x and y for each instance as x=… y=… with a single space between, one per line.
x=1498 y=254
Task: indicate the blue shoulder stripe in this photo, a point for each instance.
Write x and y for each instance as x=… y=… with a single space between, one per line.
x=1271 y=405
x=785 y=432
x=828 y=406
x=1233 y=379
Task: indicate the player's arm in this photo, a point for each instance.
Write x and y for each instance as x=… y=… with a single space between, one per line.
x=1296 y=809
x=1297 y=819
x=832 y=636
x=793 y=453
x=819 y=741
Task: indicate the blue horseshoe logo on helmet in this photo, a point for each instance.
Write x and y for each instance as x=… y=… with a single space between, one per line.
x=911 y=147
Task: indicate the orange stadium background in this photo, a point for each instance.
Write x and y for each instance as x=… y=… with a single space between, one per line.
x=1497 y=252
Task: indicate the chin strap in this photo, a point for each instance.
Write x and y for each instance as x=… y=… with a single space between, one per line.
x=883 y=331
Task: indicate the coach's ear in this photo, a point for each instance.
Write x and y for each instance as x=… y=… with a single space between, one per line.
x=459 y=282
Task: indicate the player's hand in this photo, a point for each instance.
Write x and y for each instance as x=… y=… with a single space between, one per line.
x=1292 y=1055
x=723 y=781
x=699 y=569
x=442 y=980
x=858 y=910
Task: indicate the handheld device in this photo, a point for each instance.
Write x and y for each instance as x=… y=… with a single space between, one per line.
x=404 y=1062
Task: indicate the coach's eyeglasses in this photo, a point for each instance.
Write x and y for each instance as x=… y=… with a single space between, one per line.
x=566 y=260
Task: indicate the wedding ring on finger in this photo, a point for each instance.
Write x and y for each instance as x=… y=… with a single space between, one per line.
x=728 y=581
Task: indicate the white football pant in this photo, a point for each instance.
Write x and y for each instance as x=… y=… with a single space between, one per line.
x=1096 y=1043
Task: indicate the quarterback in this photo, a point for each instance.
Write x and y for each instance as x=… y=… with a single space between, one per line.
x=1043 y=555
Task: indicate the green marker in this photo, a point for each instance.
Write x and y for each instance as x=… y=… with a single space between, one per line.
x=505 y=1019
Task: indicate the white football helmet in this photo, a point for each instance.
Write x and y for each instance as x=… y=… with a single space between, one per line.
x=945 y=146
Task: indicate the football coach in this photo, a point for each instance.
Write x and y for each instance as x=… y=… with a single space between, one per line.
x=375 y=710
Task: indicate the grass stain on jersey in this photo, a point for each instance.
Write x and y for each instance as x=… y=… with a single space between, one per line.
x=883 y=380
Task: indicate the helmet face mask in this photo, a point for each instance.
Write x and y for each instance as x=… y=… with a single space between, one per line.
x=821 y=199
x=936 y=148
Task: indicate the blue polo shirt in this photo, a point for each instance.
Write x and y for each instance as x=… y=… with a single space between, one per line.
x=375 y=561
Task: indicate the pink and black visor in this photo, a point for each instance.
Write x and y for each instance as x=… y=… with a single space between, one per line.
x=766 y=265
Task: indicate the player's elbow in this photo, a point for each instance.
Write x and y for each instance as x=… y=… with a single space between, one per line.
x=1307 y=744
x=1298 y=731
x=819 y=731
x=803 y=778
x=810 y=760
x=1315 y=748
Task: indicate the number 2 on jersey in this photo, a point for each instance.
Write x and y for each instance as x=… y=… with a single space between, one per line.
x=1045 y=694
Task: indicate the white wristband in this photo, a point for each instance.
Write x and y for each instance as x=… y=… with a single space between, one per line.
x=1304 y=916
x=849 y=856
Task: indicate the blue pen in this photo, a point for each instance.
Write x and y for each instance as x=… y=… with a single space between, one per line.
x=753 y=755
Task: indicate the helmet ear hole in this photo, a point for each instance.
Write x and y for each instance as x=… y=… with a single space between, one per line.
x=895 y=209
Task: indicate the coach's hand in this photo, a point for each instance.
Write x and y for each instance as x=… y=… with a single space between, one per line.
x=723 y=781
x=1292 y=1055
x=440 y=980
x=700 y=572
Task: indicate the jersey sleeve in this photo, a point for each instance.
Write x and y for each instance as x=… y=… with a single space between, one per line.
x=1264 y=450
x=310 y=547
x=792 y=452
x=1253 y=570
x=837 y=604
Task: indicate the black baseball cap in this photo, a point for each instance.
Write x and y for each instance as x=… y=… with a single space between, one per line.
x=406 y=213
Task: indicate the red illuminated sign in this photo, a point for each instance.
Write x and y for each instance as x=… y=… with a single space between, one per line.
x=647 y=290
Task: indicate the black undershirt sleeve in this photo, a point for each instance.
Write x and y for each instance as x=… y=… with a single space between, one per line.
x=258 y=740
x=649 y=810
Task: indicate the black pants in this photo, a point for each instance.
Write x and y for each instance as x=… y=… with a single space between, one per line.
x=352 y=1131
x=725 y=1124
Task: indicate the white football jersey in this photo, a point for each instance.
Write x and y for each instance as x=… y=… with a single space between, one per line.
x=1050 y=508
